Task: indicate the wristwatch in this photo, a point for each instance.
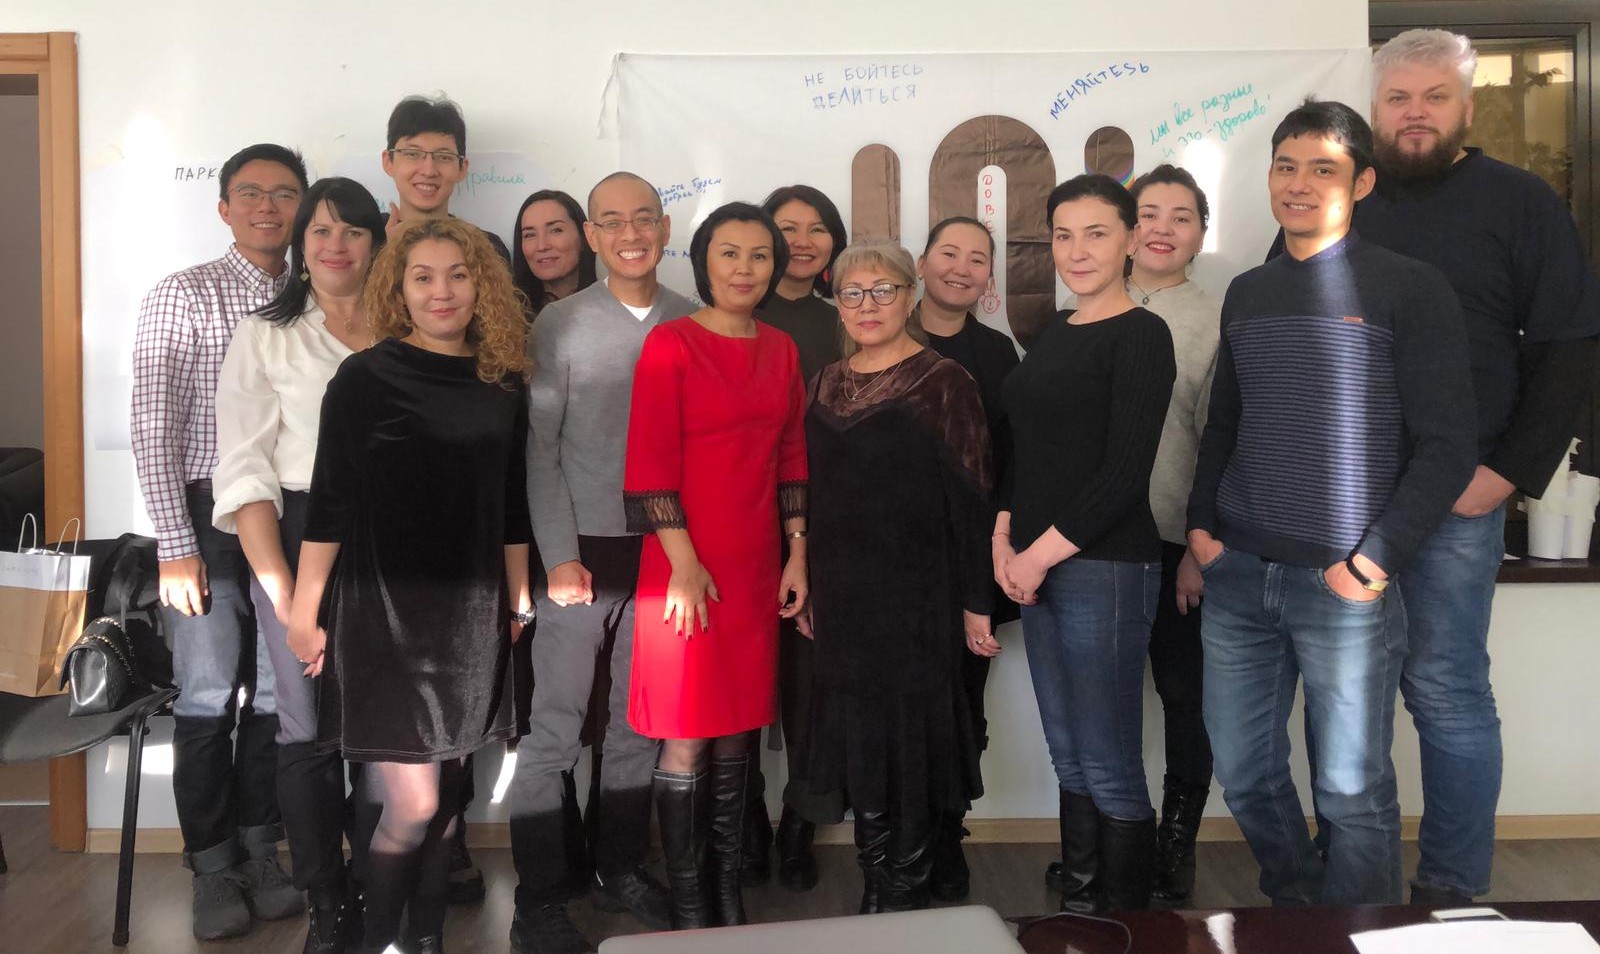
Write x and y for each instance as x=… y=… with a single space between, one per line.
x=1367 y=582
x=525 y=619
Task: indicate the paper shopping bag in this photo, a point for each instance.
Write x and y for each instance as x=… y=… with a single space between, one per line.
x=42 y=597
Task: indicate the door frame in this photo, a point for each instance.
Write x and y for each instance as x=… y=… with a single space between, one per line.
x=53 y=59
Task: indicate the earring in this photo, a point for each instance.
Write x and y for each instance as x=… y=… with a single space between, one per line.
x=305 y=276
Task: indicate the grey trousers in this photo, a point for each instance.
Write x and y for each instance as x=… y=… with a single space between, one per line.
x=564 y=651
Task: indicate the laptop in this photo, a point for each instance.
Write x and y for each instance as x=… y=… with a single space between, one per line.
x=962 y=930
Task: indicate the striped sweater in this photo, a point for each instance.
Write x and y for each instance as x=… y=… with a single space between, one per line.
x=1341 y=413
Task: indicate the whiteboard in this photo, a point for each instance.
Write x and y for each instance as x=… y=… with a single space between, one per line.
x=985 y=134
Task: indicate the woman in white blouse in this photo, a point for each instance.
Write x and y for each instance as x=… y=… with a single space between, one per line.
x=269 y=403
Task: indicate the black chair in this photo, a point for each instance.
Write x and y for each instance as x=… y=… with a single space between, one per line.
x=32 y=730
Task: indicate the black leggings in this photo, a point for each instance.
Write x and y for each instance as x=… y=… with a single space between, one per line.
x=1176 y=662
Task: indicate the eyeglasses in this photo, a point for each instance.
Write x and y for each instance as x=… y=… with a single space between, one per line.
x=884 y=293
x=250 y=193
x=643 y=223
x=443 y=158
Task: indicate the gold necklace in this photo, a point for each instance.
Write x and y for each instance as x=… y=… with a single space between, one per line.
x=878 y=380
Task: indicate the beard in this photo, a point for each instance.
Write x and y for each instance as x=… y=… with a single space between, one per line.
x=1409 y=165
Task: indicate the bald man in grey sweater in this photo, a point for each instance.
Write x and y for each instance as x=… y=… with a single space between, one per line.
x=584 y=350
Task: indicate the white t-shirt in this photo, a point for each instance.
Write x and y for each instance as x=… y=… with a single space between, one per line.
x=639 y=313
x=269 y=405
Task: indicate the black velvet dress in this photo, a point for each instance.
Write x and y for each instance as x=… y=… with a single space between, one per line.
x=899 y=531
x=420 y=478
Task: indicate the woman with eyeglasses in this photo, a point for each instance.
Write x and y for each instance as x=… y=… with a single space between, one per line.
x=901 y=581
x=1075 y=543
x=269 y=402
x=715 y=464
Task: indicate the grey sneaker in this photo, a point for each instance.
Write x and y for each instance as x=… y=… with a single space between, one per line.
x=219 y=908
x=268 y=890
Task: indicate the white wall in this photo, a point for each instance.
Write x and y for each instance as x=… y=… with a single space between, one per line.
x=21 y=327
x=197 y=80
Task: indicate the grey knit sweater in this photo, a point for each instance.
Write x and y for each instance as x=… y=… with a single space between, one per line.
x=1195 y=320
x=584 y=350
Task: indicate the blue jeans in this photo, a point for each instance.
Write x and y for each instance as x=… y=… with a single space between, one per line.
x=1267 y=626
x=1448 y=589
x=1087 y=638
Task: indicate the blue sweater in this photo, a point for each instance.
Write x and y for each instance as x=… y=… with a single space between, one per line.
x=1341 y=413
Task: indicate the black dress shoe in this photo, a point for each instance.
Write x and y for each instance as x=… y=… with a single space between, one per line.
x=635 y=892
x=1431 y=897
x=546 y=929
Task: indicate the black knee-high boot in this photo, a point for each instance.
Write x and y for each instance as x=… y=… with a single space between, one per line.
x=390 y=876
x=1127 y=860
x=1080 y=854
x=683 y=805
x=728 y=812
x=872 y=854
x=430 y=894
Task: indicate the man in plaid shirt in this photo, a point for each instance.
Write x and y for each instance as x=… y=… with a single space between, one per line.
x=225 y=790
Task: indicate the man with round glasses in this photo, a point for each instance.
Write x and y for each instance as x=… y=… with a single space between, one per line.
x=426 y=156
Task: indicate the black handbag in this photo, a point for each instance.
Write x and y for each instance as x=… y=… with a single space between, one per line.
x=120 y=656
x=100 y=674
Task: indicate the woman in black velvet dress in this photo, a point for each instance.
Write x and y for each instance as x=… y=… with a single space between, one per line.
x=901 y=578
x=413 y=576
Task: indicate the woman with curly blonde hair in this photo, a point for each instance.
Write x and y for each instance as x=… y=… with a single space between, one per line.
x=413 y=578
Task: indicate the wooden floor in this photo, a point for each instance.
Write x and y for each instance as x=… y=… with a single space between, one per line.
x=52 y=902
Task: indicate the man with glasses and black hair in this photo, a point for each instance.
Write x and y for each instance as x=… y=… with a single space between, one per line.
x=584 y=350
x=426 y=156
x=225 y=788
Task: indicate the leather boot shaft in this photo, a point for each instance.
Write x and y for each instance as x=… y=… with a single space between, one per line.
x=729 y=784
x=683 y=805
x=1080 y=854
x=1127 y=862
x=872 y=854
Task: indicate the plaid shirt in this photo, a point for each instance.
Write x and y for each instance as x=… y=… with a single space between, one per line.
x=185 y=325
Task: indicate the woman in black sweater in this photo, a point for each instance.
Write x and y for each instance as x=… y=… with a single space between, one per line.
x=1076 y=545
x=957 y=273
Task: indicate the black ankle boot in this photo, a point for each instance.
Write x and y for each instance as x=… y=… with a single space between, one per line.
x=329 y=931
x=797 y=866
x=872 y=854
x=1080 y=854
x=1127 y=856
x=1181 y=809
x=728 y=809
x=683 y=805
x=951 y=879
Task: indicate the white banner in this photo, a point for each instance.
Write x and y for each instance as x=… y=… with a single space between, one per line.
x=899 y=142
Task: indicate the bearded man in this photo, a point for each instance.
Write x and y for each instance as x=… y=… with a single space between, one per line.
x=1508 y=246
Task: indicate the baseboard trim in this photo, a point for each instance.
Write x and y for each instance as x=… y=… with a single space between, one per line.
x=985 y=831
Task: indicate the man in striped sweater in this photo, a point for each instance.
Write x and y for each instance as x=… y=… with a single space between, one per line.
x=1335 y=444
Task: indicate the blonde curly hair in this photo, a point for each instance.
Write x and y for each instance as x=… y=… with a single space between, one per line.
x=498 y=330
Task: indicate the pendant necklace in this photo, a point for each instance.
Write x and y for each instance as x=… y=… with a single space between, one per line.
x=1148 y=294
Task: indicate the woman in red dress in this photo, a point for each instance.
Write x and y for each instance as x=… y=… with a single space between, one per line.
x=716 y=457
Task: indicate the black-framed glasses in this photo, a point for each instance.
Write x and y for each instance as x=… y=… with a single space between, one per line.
x=643 y=223
x=443 y=158
x=250 y=193
x=884 y=293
